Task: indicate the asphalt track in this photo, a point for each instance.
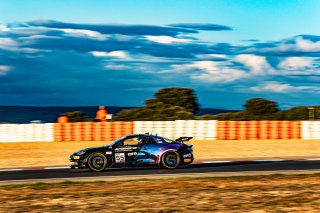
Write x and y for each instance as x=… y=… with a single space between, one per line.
x=134 y=171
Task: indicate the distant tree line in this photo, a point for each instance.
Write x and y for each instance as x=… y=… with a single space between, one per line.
x=77 y=116
x=167 y=105
x=181 y=104
x=262 y=109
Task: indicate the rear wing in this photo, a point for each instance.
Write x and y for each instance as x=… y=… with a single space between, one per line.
x=183 y=139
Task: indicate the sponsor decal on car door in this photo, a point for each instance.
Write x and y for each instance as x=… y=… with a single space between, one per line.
x=125 y=154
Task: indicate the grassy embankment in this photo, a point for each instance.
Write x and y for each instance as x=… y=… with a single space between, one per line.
x=271 y=193
x=57 y=153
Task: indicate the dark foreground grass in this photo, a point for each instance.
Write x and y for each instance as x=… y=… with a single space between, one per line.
x=264 y=193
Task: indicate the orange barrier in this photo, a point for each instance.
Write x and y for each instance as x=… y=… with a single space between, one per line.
x=253 y=127
x=106 y=131
x=242 y=130
x=91 y=131
x=226 y=130
x=263 y=130
x=232 y=130
x=222 y=130
x=204 y=130
x=76 y=132
x=296 y=129
x=57 y=132
x=274 y=130
x=252 y=130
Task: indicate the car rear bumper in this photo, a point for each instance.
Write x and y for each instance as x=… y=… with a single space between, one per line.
x=188 y=158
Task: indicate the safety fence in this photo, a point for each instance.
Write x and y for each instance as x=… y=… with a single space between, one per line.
x=244 y=130
x=310 y=129
x=199 y=129
x=26 y=132
x=91 y=131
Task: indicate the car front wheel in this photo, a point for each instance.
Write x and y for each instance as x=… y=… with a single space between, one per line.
x=97 y=162
x=170 y=160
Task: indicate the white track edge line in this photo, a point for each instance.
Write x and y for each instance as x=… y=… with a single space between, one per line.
x=218 y=161
x=58 y=167
x=312 y=159
x=270 y=160
x=9 y=170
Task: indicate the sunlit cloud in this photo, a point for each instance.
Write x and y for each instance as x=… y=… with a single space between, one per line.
x=166 y=39
x=8 y=42
x=256 y=64
x=119 y=56
x=4 y=28
x=278 y=87
x=4 y=69
x=116 y=54
x=294 y=63
x=84 y=33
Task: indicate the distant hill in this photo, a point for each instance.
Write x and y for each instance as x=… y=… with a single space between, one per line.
x=25 y=114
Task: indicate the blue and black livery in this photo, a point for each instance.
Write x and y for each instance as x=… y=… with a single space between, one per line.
x=135 y=150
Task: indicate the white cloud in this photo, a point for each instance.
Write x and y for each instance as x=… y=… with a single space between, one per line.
x=116 y=54
x=8 y=42
x=84 y=33
x=258 y=69
x=221 y=76
x=33 y=37
x=120 y=37
x=4 y=69
x=307 y=45
x=4 y=28
x=299 y=45
x=166 y=39
x=210 y=71
x=273 y=86
x=13 y=46
x=116 y=67
x=257 y=64
x=212 y=56
x=277 y=87
x=295 y=63
x=204 y=65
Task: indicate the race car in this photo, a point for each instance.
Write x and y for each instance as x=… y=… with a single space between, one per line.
x=135 y=150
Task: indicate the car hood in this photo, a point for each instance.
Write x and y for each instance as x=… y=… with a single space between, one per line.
x=89 y=149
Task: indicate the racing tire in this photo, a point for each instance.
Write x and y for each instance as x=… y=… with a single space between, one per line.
x=170 y=160
x=97 y=162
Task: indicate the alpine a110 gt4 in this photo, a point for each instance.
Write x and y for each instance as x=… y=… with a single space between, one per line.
x=135 y=150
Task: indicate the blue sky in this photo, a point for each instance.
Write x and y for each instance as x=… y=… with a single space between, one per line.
x=76 y=52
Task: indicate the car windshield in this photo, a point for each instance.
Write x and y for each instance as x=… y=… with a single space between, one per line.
x=115 y=142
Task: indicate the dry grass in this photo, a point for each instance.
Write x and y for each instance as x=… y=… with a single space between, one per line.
x=253 y=149
x=273 y=193
x=57 y=153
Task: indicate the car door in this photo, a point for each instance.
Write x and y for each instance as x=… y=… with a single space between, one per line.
x=126 y=151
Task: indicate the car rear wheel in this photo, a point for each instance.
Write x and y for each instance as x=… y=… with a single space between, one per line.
x=97 y=162
x=170 y=160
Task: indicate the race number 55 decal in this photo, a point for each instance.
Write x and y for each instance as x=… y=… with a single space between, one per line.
x=120 y=157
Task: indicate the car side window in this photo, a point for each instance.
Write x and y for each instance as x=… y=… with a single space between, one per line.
x=151 y=140
x=134 y=141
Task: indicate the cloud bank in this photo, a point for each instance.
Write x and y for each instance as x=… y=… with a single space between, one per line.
x=48 y=62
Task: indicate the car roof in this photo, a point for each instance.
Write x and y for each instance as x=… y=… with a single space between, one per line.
x=146 y=135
